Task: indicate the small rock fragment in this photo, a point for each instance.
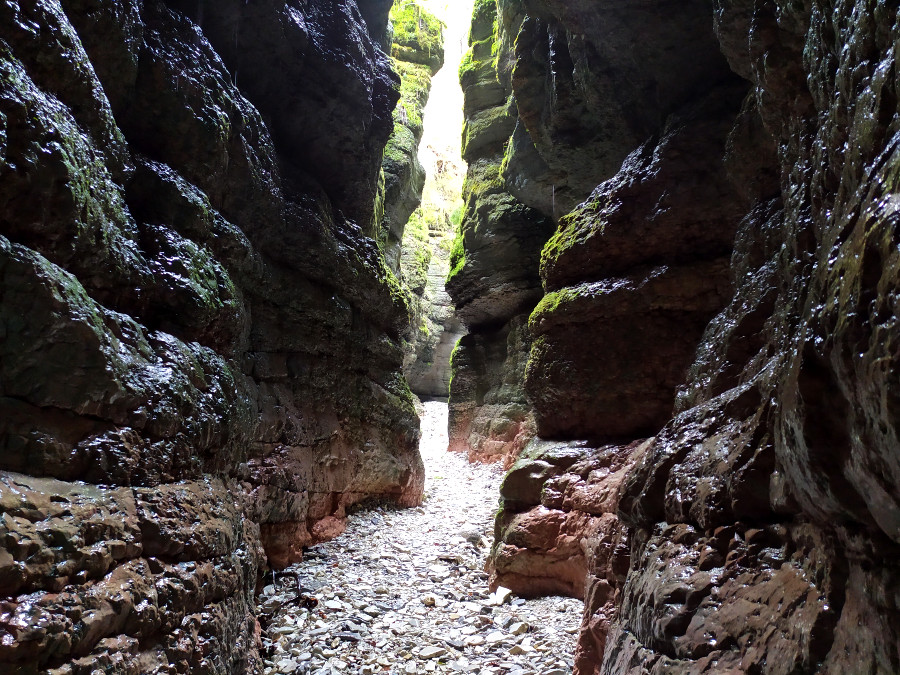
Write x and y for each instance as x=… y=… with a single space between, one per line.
x=432 y=652
x=518 y=628
x=502 y=595
x=495 y=636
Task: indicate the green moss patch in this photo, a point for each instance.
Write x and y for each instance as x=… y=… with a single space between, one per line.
x=457 y=255
x=571 y=231
x=418 y=35
x=415 y=84
x=567 y=303
x=416 y=251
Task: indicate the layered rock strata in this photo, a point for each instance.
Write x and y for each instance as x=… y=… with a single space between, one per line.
x=728 y=294
x=490 y=418
x=633 y=275
x=559 y=504
x=553 y=108
x=417 y=49
x=493 y=278
x=629 y=280
x=765 y=512
x=200 y=363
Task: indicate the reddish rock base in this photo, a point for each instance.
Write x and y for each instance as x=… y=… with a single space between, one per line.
x=131 y=581
x=490 y=418
x=558 y=533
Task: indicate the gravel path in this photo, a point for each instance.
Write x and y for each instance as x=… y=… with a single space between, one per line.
x=404 y=591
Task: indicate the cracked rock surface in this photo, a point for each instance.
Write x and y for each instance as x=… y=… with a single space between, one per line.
x=405 y=591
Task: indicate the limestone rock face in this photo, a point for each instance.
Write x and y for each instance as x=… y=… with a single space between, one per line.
x=435 y=329
x=761 y=499
x=588 y=93
x=633 y=276
x=728 y=294
x=418 y=51
x=556 y=105
x=490 y=419
x=493 y=278
x=737 y=273
x=630 y=279
x=559 y=504
x=200 y=354
x=429 y=232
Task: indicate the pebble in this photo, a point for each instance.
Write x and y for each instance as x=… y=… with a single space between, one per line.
x=405 y=592
x=501 y=596
x=431 y=652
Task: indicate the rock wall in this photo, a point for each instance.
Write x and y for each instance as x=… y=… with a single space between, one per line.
x=417 y=49
x=428 y=237
x=768 y=506
x=712 y=367
x=493 y=278
x=554 y=105
x=200 y=354
x=412 y=232
x=558 y=116
x=435 y=328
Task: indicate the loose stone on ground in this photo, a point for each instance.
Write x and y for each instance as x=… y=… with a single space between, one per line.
x=404 y=591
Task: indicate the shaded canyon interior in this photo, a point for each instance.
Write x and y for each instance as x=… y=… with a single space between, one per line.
x=675 y=273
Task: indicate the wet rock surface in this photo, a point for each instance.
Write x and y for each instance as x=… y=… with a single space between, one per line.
x=200 y=368
x=727 y=292
x=640 y=267
x=630 y=278
x=759 y=499
x=405 y=591
x=128 y=580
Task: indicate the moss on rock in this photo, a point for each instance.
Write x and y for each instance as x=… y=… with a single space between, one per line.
x=457 y=255
x=415 y=84
x=418 y=35
x=418 y=52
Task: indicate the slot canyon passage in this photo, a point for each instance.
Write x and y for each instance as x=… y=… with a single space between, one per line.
x=656 y=284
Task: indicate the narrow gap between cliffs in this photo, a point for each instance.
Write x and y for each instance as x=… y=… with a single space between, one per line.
x=407 y=591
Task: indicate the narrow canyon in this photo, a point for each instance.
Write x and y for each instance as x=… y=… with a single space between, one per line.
x=639 y=263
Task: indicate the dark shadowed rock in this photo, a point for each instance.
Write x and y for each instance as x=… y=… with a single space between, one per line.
x=490 y=418
x=763 y=523
x=200 y=363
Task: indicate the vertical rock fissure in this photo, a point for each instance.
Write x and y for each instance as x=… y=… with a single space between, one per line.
x=427 y=239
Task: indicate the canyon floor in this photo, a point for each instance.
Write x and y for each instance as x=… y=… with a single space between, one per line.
x=404 y=591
